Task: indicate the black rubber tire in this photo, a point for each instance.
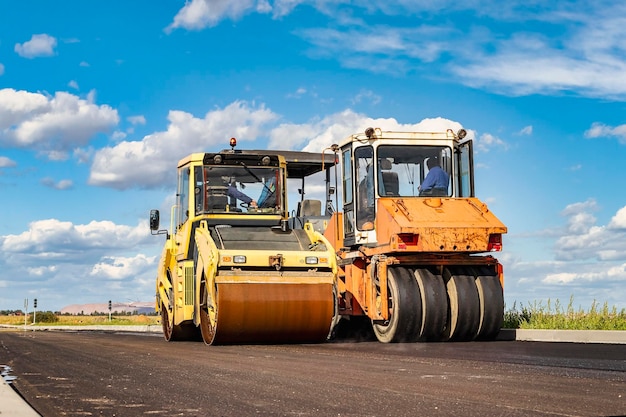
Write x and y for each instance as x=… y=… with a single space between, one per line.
x=168 y=329
x=404 y=305
x=464 y=306
x=491 y=301
x=207 y=327
x=177 y=332
x=434 y=305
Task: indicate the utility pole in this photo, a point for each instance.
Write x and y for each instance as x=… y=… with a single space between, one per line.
x=25 y=310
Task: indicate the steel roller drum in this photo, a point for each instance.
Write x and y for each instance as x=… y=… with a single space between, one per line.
x=268 y=311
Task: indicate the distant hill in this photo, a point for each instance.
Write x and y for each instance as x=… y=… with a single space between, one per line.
x=138 y=307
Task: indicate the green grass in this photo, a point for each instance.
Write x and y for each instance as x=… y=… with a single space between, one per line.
x=82 y=320
x=555 y=316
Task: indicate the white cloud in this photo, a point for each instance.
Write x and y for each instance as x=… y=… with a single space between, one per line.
x=61 y=261
x=7 y=162
x=298 y=93
x=367 y=96
x=318 y=134
x=583 y=239
x=151 y=162
x=600 y=130
x=118 y=136
x=487 y=141
x=39 y=45
x=561 y=278
x=619 y=220
x=137 y=120
x=579 y=50
x=1 y=69
x=61 y=185
x=199 y=14
x=73 y=84
x=527 y=130
x=51 y=123
x=56 y=239
x=120 y=267
x=42 y=270
x=601 y=273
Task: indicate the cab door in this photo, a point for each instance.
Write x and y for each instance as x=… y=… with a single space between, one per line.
x=348 y=187
x=465 y=169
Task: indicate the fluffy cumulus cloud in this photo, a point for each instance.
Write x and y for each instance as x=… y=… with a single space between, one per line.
x=618 y=222
x=584 y=240
x=55 y=239
x=88 y=262
x=198 y=14
x=589 y=261
x=318 y=134
x=487 y=141
x=148 y=163
x=51 y=124
x=120 y=267
x=39 y=45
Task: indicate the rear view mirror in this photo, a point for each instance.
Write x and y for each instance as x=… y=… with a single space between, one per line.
x=154 y=220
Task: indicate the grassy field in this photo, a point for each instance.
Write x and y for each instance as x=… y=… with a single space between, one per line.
x=553 y=315
x=85 y=320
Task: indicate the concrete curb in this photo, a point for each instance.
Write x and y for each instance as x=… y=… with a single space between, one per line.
x=13 y=404
x=567 y=336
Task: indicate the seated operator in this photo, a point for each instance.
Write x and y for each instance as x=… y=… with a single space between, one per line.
x=234 y=192
x=436 y=181
x=268 y=194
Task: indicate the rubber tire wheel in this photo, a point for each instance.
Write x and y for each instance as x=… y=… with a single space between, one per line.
x=434 y=304
x=168 y=330
x=207 y=328
x=404 y=306
x=491 y=300
x=173 y=332
x=464 y=307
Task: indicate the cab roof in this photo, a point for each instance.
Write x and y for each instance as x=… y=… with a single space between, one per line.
x=299 y=164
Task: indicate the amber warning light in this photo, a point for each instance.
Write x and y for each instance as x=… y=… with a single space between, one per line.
x=233 y=143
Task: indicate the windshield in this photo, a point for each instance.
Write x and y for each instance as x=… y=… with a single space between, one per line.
x=408 y=171
x=238 y=189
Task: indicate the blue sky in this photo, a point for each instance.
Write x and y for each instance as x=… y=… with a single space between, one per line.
x=99 y=100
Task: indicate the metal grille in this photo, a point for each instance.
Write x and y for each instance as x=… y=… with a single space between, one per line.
x=189 y=286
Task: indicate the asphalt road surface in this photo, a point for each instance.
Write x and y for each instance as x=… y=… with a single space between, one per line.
x=104 y=374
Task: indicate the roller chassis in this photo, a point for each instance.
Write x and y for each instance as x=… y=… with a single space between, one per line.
x=414 y=265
